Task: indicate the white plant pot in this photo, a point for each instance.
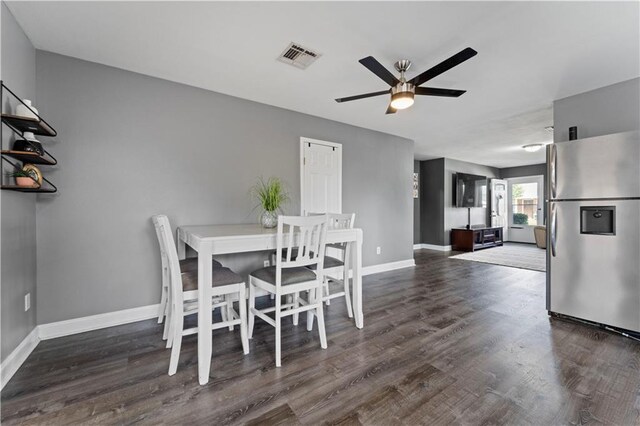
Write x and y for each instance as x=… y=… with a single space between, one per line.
x=23 y=111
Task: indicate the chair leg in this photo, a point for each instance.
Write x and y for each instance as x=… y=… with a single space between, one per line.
x=176 y=344
x=242 y=307
x=166 y=333
x=312 y=298
x=321 y=330
x=169 y=326
x=296 y=303
x=278 y=324
x=325 y=289
x=252 y=305
x=163 y=305
x=347 y=294
x=229 y=310
x=223 y=310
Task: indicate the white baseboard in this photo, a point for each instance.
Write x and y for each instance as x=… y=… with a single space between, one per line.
x=95 y=322
x=384 y=267
x=19 y=355
x=431 y=247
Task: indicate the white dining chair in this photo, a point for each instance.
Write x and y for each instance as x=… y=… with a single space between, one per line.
x=334 y=267
x=189 y=264
x=291 y=276
x=184 y=297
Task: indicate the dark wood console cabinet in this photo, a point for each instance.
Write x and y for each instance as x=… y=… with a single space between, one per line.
x=463 y=239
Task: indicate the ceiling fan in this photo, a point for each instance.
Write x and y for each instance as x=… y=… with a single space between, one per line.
x=403 y=91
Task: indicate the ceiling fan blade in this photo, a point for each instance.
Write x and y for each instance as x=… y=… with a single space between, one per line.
x=376 y=67
x=433 y=91
x=391 y=110
x=443 y=66
x=365 y=95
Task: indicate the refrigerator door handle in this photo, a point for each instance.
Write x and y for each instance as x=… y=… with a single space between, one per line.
x=553 y=169
x=554 y=229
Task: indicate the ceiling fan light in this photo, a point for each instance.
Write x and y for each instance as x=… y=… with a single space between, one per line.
x=533 y=147
x=402 y=100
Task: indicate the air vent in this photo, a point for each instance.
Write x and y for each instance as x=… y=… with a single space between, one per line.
x=298 y=56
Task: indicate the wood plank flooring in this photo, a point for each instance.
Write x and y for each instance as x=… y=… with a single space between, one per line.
x=446 y=342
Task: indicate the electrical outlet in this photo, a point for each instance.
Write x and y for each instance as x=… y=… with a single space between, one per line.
x=27 y=302
x=377 y=250
x=266 y=263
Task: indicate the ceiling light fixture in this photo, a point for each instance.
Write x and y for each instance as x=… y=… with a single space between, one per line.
x=402 y=100
x=533 y=147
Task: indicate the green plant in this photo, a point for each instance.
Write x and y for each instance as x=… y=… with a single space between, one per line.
x=19 y=173
x=517 y=191
x=520 y=219
x=271 y=194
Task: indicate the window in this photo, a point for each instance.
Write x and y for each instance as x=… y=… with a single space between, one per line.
x=524 y=203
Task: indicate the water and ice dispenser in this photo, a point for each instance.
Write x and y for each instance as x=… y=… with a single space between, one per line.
x=598 y=220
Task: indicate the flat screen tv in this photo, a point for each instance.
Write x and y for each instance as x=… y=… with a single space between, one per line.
x=470 y=190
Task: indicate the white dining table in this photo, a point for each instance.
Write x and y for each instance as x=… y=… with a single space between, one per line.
x=210 y=240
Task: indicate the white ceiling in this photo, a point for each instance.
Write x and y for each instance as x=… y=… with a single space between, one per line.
x=530 y=53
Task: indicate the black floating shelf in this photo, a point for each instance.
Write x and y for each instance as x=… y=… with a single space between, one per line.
x=30 y=157
x=27 y=124
x=27 y=189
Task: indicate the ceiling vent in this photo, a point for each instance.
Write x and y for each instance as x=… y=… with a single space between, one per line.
x=298 y=56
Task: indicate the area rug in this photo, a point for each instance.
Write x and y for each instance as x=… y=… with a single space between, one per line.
x=522 y=256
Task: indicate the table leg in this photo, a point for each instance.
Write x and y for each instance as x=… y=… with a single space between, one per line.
x=182 y=249
x=347 y=270
x=204 y=314
x=357 y=280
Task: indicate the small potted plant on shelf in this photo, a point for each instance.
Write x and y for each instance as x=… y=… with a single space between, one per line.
x=271 y=195
x=24 y=179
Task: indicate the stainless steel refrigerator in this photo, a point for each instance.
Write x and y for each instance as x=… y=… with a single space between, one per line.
x=593 y=230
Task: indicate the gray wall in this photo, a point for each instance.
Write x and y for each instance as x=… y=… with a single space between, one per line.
x=17 y=210
x=455 y=217
x=432 y=201
x=417 y=238
x=610 y=109
x=132 y=146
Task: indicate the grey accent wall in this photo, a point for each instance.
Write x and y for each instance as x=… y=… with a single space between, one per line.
x=432 y=201
x=17 y=210
x=455 y=217
x=417 y=238
x=132 y=146
x=610 y=109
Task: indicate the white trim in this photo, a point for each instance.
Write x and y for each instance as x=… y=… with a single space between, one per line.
x=431 y=247
x=384 y=267
x=338 y=146
x=95 y=322
x=19 y=355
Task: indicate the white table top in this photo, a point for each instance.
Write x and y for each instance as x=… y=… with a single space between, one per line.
x=235 y=231
x=222 y=231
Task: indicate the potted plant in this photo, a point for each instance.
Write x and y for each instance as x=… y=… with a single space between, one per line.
x=271 y=195
x=23 y=178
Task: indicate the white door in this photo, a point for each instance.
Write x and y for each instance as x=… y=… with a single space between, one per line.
x=525 y=204
x=321 y=176
x=499 y=205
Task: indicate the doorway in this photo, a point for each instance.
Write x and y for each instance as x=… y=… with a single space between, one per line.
x=320 y=176
x=525 y=198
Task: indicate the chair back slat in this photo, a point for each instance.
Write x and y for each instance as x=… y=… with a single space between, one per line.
x=173 y=262
x=339 y=220
x=163 y=255
x=307 y=235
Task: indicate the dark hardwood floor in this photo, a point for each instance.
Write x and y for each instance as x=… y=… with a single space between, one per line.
x=447 y=342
